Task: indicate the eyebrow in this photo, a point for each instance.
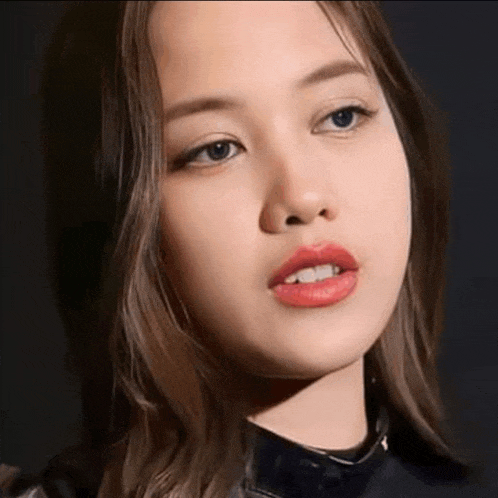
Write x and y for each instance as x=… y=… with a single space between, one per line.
x=203 y=104
x=330 y=71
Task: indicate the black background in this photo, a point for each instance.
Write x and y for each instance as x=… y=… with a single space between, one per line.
x=451 y=45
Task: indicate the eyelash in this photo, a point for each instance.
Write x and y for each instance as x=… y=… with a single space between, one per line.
x=187 y=157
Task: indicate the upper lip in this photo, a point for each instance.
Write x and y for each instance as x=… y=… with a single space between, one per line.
x=309 y=256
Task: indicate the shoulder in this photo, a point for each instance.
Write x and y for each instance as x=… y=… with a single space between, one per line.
x=399 y=477
x=74 y=472
x=13 y=483
x=34 y=492
x=413 y=467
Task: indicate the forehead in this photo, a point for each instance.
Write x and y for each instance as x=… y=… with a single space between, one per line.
x=223 y=43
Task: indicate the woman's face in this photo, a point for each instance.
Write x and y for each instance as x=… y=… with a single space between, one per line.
x=288 y=171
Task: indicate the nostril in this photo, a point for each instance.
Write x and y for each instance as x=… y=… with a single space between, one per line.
x=293 y=220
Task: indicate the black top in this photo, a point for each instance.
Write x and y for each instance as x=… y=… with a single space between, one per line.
x=284 y=469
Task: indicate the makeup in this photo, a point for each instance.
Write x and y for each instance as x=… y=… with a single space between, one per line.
x=315 y=277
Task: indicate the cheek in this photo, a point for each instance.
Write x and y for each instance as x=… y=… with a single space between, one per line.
x=385 y=185
x=395 y=192
x=380 y=207
x=206 y=229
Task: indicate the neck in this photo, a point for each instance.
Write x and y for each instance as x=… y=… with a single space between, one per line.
x=326 y=413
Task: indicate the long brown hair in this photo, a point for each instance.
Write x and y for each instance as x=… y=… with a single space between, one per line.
x=182 y=431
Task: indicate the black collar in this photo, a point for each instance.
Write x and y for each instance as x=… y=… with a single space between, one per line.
x=286 y=469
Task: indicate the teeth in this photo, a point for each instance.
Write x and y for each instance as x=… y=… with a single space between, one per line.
x=306 y=275
x=291 y=279
x=324 y=271
x=316 y=274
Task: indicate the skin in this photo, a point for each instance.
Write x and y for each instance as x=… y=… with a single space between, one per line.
x=227 y=224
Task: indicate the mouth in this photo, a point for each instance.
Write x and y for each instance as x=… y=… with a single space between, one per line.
x=315 y=276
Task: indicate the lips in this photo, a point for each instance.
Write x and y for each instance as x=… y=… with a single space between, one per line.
x=309 y=256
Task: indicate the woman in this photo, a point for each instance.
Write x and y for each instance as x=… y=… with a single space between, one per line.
x=277 y=269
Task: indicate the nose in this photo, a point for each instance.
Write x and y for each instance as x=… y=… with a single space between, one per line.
x=298 y=194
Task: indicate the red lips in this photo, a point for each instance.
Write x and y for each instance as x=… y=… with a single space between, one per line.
x=309 y=256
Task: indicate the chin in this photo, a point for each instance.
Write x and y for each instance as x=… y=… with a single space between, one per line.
x=308 y=368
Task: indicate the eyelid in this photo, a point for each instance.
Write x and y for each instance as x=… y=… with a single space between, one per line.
x=186 y=158
x=361 y=110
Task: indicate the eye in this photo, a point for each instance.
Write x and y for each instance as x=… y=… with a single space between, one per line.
x=346 y=119
x=206 y=155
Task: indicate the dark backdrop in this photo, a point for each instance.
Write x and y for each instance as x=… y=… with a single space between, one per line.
x=451 y=45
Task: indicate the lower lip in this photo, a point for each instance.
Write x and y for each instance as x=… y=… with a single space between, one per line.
x=317 y=294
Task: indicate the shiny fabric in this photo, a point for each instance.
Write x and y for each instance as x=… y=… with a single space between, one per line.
x=284 y=469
